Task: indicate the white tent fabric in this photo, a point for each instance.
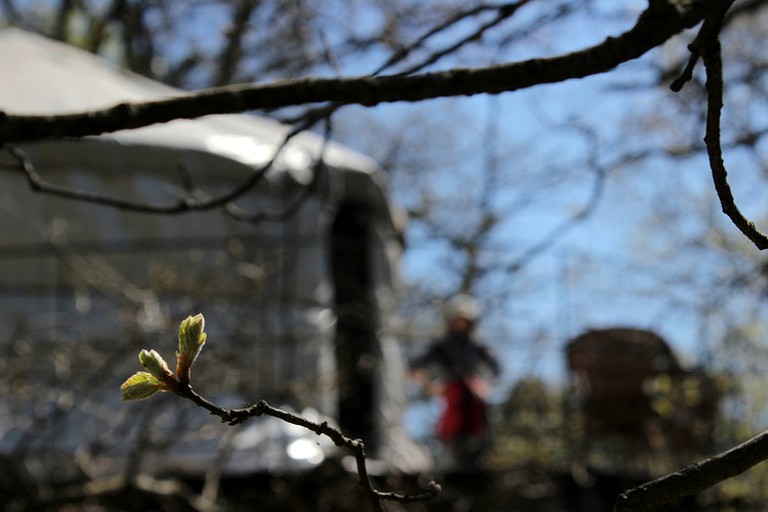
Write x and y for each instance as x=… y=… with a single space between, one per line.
x=85 y=82
x=98 y=248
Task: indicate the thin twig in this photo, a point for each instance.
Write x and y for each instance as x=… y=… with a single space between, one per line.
x=706 y=46
x=295 y=205
x=503 y=12
x=444 y=25
x=356 y=446
x=709 y=31
x=187 y=204
x=712 y=58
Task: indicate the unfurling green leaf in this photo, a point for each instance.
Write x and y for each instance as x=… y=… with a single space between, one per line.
x=191 y=340
x=141 y=385
x=154 y=364
x=192 y=337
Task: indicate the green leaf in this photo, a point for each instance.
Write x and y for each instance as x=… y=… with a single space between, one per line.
x=191 y=340
x=141 y=385
x=154 y=364
x=191 y=337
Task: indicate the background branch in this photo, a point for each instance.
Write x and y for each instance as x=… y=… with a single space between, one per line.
x=194 y=202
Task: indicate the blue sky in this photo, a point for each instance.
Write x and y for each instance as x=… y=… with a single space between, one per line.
x=608 y=270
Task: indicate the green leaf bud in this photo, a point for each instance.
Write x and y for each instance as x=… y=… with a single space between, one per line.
x=141 y=385
x=191 y=340
x=154 y=364
x=191 y=337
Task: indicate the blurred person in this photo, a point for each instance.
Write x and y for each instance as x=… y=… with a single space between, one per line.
x=460 y=369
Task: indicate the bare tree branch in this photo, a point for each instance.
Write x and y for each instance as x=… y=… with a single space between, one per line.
x=232 y=53
x=696 y=477
x=719 y=173
x=190 y=203
x=503 y=12
x=262 y=408
x=708 y=46
x=661 y=21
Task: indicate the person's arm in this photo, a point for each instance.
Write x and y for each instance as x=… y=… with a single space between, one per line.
x=490 y=360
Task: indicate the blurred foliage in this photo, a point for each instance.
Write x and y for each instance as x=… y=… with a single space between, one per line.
x=536 y=429
x=529 y=428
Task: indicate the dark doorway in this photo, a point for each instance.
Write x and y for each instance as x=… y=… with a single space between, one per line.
x=356 y=321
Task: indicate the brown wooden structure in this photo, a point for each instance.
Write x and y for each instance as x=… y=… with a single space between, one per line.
x=628 y=385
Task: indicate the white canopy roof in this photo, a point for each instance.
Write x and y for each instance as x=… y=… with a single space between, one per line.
x=41 y=76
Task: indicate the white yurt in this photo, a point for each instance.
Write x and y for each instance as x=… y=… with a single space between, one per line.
x=295 y=276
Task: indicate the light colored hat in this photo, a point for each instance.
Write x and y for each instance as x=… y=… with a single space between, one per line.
x=463 y=305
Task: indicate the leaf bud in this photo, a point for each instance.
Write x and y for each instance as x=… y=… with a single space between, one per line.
x=154 y=364
x=191 y=340
x=141 y=385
